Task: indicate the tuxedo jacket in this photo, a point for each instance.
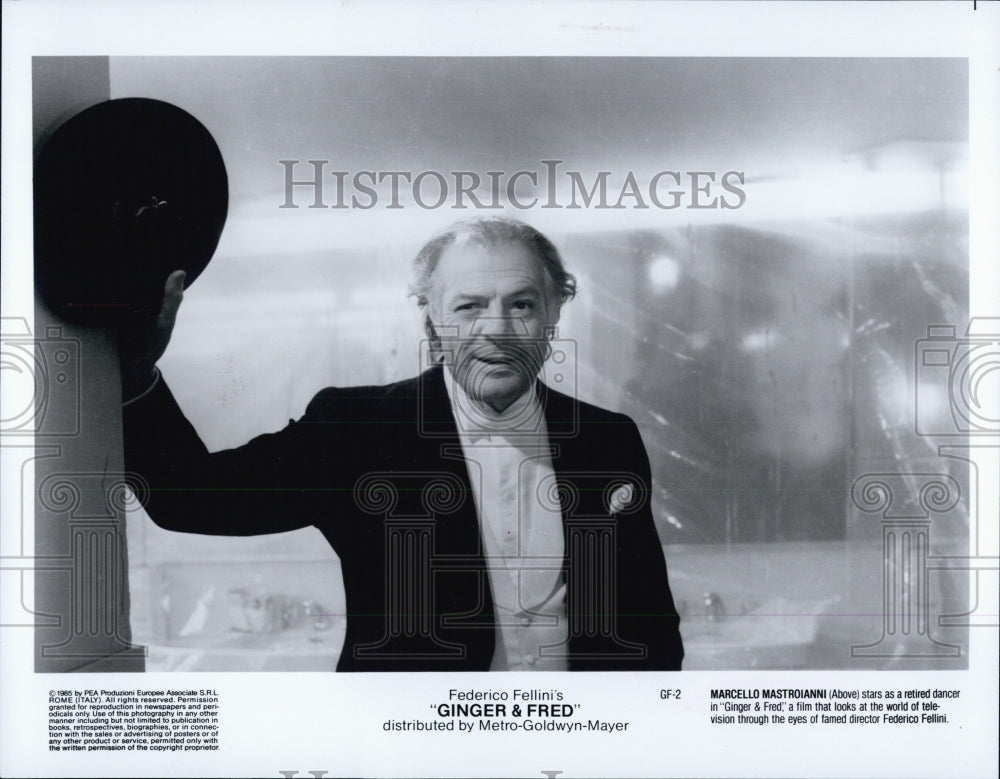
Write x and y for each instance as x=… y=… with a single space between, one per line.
x=380 y=472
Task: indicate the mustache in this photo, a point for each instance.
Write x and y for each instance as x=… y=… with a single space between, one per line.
x=525 y=358
x=504 y=350
x=521 y=352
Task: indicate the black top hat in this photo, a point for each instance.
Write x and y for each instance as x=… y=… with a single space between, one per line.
x=125 y=192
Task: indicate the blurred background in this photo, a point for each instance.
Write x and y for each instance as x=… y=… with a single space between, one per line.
x=768 y=353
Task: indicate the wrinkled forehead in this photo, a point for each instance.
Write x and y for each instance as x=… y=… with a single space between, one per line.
x=473 y=263
x=471 y=239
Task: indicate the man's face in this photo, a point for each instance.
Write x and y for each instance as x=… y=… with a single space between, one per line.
x=490 y=309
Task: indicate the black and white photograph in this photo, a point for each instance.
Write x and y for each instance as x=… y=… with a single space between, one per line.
x=346 y=375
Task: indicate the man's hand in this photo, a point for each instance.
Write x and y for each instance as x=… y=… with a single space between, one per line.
x=143 y=339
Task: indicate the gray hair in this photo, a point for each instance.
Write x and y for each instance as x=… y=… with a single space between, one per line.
x=491 y=231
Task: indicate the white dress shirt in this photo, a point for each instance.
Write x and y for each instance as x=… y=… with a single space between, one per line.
x=510 y=468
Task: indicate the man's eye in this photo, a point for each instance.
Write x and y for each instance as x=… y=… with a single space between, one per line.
x=465 y=307
x=524 y=305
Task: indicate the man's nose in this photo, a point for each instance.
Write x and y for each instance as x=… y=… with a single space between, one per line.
x=494 y=321
x=498 y=326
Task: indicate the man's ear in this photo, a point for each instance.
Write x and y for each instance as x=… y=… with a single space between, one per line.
x=433 y=339
x=429 y=330
x=552 y=322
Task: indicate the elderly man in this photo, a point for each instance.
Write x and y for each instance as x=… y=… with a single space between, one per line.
x=483 y=520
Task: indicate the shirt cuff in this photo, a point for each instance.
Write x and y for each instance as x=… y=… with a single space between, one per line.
x=144 y=393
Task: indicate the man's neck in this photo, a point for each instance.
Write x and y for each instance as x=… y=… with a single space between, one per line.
x=518 y=412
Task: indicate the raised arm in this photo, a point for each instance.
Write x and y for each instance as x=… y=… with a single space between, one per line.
x=143 y=338
x=273 y=483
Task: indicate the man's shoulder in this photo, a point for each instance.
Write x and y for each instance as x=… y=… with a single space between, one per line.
x=598 y=413
x=360 y=402
x=562 y=405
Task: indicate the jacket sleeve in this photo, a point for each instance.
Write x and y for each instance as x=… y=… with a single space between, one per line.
x=272 y=483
